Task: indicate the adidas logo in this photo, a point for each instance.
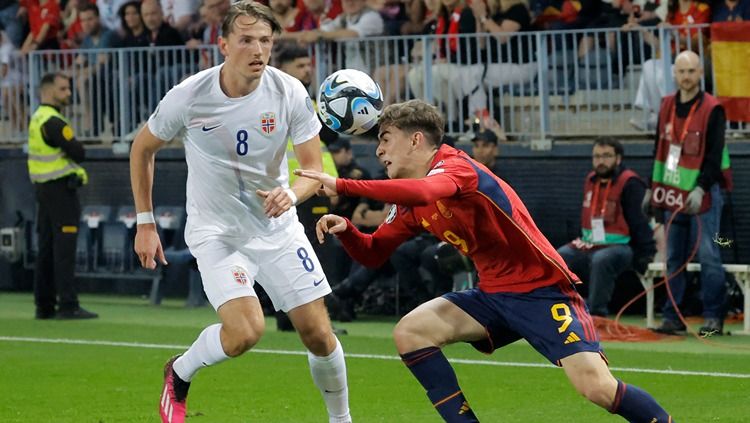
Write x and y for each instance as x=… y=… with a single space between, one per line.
x=572 y=337
x=464 y=408
x=363 y=112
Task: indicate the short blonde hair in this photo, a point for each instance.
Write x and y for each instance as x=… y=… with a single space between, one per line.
x=415 y=116
x=252 y=9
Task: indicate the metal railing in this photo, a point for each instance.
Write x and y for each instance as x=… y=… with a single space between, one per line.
x=538 y=85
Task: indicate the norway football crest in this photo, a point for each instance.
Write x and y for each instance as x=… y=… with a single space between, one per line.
x=268 y=123
x=240 y=276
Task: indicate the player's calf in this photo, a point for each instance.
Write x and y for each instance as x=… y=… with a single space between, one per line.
x=636 y=405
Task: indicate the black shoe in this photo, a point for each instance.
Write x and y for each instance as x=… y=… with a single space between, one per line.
x=76 y=314
x=670 y=327
x=711 y=326
x=42 y=314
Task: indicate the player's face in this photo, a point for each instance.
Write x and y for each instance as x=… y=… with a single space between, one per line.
x=394 y=151
x=248 y=47
x=605 y=160
x=688 y=74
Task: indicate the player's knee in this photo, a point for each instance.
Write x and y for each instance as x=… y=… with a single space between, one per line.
x=240 y=340
x=406 y=334
x=598 y=390
x=318 y=340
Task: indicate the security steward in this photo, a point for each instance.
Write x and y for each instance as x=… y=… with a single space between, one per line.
x=54 y=157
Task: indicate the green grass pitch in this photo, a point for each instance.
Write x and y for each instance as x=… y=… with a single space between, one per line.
x=109 y=370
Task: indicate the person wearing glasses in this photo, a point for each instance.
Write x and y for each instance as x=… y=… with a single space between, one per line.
x=615 y=234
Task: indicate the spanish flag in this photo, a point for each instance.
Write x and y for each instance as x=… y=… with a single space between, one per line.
x=730 y=51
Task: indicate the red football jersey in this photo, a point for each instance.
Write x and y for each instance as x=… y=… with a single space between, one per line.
x=462 y=203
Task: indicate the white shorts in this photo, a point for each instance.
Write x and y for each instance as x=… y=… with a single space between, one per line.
x=283 y=263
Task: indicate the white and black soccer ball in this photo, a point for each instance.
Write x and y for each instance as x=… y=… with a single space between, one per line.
x=350 y=102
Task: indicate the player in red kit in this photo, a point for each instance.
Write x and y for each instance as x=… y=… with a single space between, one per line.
x=524 y=291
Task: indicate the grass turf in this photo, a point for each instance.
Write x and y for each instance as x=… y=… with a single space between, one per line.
x=85 y=382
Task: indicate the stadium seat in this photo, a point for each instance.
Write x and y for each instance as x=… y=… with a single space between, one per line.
x=114 y=244
x=83 y=249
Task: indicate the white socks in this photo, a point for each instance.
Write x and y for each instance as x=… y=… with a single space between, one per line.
x=205 y=351
x=329 y=375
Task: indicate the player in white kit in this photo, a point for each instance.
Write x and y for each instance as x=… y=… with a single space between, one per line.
x=242 y=224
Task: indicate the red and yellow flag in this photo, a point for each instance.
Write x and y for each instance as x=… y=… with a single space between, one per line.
x=730 y=52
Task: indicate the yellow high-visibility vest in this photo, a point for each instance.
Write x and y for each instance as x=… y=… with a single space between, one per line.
x=49 y=163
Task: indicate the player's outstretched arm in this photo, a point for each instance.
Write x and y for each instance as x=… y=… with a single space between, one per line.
x=327 y=182
x=142 y=154
x=329 y=224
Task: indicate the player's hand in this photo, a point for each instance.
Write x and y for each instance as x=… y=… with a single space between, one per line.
x=329 y=224
x=327 y=182
x=275 y=202
x=148 y=246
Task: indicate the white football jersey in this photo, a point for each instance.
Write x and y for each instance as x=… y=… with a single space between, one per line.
x=234 y=146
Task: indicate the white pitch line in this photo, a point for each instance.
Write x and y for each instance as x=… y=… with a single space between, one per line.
x=366 y=356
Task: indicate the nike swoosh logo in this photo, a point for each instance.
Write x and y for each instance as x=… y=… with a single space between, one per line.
x=316 y=283
x=210 y=129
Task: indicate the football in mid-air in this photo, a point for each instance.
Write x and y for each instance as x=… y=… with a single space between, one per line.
x=350 y=102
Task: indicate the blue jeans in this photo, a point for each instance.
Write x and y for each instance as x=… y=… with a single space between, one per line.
x=680 y=242
x=603 y=265
x=11 y=24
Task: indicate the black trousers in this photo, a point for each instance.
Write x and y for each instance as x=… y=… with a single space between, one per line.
x=58 y=216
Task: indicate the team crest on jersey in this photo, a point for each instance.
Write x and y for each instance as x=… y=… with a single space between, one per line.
x=268 y=122
x=240 y=276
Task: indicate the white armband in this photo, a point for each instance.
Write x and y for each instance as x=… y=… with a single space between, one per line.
x=291 y=195
x=145 y=218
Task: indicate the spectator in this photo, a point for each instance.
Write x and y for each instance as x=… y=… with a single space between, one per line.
x=164 y=66
x=284 y=11
x=691 y=166
x=94 y=75
x=731 y=11
x=356 y=21
x=13 y=97
x=109 y=13
x=392 y=76
x=11 y=15
x=207 y=30
x=484 y=150
x=653 y=85
x=510 y=55
x=456 y=72
x=615 y=234
x=44 y=23
x=133 y=30
x=180 y=13
x=312 y=13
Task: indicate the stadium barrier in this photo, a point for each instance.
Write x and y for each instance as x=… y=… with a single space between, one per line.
x=538 y=85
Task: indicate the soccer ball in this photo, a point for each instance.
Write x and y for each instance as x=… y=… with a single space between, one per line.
x=350 y=102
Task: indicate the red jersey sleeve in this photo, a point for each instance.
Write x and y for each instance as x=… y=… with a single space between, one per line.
x=372 y=250
x=444 y=180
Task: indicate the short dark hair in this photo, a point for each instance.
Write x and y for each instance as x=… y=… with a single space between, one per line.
x=49 y=78
x=252 y=9
x=290 y=52
x=89 y=7
x=611 y=142
x=413 y=116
